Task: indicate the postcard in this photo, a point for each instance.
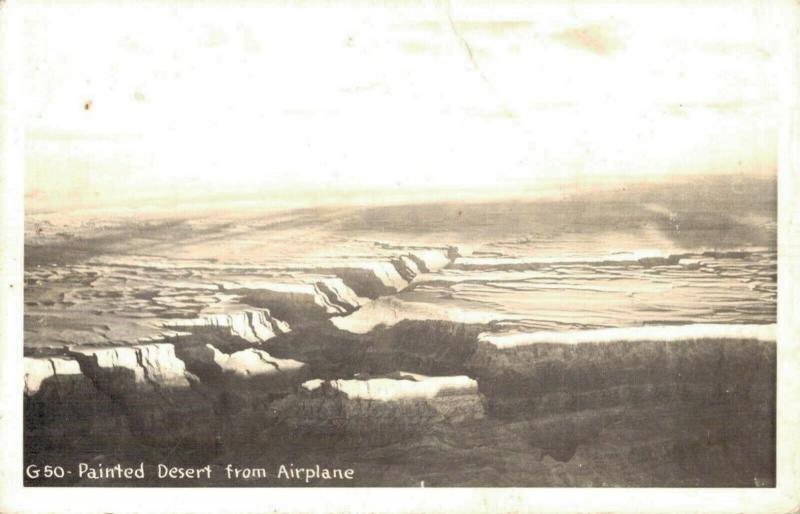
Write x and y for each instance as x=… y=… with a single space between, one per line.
x=400 y=256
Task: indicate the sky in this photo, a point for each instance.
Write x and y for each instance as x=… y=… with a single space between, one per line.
x=302 y=103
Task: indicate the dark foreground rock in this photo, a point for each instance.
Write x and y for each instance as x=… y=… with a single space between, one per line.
x=659 y=407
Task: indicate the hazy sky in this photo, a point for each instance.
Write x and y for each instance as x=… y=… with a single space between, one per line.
x=128 y=103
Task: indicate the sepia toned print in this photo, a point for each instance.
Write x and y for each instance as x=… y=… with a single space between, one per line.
x=400 y=245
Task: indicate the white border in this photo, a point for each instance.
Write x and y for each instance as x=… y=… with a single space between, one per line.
x=14 y=498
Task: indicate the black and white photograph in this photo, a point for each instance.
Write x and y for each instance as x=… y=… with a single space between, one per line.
x=442 y=245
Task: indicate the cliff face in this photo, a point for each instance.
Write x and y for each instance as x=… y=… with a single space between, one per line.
x=154 y=390
x=132 y=369
x=299 y=303
x=640 y=405
x=64 y=409
x=254 y=326
x=380 y=409
x=611 y=368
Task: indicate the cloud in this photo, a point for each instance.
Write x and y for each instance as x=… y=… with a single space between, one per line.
x=597 y=39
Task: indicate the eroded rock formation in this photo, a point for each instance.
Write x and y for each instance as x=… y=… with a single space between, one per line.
x=382 y=408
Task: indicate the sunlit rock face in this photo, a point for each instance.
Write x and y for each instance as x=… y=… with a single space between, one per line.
x=570 y=343
x=388 y=408
x=39 y=370
x=153 y=389
x=133 y=368
x=298 y=302
x=252 y=326
x=247 y=363
x=64 y=409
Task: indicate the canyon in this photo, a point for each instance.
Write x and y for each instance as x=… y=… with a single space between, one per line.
x=473 y=355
